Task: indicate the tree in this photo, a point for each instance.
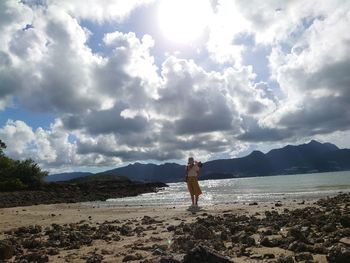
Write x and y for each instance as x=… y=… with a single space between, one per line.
x=16 y=175
x=28 y=172
x=2 y=146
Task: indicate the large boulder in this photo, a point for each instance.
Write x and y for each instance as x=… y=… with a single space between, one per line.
x=202 y=232
x=202 y=254
x=6 y=249
x=338 y=254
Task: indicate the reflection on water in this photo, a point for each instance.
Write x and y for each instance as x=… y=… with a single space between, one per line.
x=261 y=189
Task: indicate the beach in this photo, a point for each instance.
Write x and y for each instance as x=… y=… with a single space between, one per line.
x=287 y=231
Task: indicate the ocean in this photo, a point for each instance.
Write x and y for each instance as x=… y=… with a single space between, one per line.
x=253 y=189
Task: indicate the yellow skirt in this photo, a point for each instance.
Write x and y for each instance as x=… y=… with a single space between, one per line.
x=193 y=186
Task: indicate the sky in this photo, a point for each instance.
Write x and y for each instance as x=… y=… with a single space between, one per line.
x=98 y=84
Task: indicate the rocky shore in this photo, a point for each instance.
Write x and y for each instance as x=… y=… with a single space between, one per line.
x=318 y=231
x=53 y=193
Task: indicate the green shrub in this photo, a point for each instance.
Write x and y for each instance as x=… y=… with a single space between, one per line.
x=12 y=184
x=17 y=175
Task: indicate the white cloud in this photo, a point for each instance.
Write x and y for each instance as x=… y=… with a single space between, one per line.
x=96 y=10
x=45 y=146
x=123 y=107
x=315 y=77
x=18 y=136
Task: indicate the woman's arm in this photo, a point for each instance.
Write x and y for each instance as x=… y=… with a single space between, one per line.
x=198 y=169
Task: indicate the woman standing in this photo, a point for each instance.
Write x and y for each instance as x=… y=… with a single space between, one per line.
x=192 y=173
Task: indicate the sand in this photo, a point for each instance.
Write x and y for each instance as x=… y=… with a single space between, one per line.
x=144 y=245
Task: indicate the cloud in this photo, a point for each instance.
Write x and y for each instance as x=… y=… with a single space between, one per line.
x=315 y=77
x=100 y=10
x=47 y=65
x=122 y=106
x=107 y=121
x=95 y=10
x=309 y=62
x=52 y=148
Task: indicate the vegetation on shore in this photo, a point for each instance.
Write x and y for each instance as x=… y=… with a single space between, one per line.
x=19 y=174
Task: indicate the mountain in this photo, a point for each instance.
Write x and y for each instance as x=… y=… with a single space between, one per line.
x=65 y=176
x=168 y=172
x=311 y=157
x=305 y=158
x=100 y=177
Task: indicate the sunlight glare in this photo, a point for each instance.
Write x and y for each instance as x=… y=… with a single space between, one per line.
x=183 y=21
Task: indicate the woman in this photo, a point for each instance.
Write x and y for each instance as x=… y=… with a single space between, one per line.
x=192 y=173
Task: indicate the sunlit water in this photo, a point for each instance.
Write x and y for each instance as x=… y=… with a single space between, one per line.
x=260 y=189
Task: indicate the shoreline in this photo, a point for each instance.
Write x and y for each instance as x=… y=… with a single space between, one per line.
x=268 y=231
x=64 y=192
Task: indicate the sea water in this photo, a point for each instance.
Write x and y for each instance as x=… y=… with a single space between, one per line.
x=253 y=189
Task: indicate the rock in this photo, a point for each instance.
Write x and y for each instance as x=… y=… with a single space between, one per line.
x=268 y=232
x=329 y=228
x=158 y=252
x=202 y=254
x=132 y=257
x=345 y=221
x=147 y=220
x=285 y=259
x=296 y=233
x=94 y=258
x=171 y=228
x=345 y=241
x=278 y=205
x=31 y=243
x=320 y=249
x=115 y=237
x=249 y=241
x=217 y=244
x=266 y=242
x=106 y=252
x=269 y=255
x=162 y=247
x=139 y=230
x=224 y=235
x=126 y=230
x=35 y=257
x=21 y=231
x=6 y=250
x=53 y=251
x=299 y=247
x=256 y=256
x=168 y=259
x=182 y=244
x=338 y=254
x=202 y=232
x=303 y=256
x=186 y=228
x=254 y=203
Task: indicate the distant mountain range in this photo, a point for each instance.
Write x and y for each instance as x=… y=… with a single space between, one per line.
x=312 y=157
x=66 y=176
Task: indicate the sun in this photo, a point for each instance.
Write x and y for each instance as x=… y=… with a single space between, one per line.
x=183 y=21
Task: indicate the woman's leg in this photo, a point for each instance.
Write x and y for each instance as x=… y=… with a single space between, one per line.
x=192 y=197
x=196 y=199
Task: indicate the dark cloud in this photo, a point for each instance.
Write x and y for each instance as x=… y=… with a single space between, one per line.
x=254 y=132
x=130 y=155
x=318 y=116
x=107 y=121
x=204 y=117
x=9 y=79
